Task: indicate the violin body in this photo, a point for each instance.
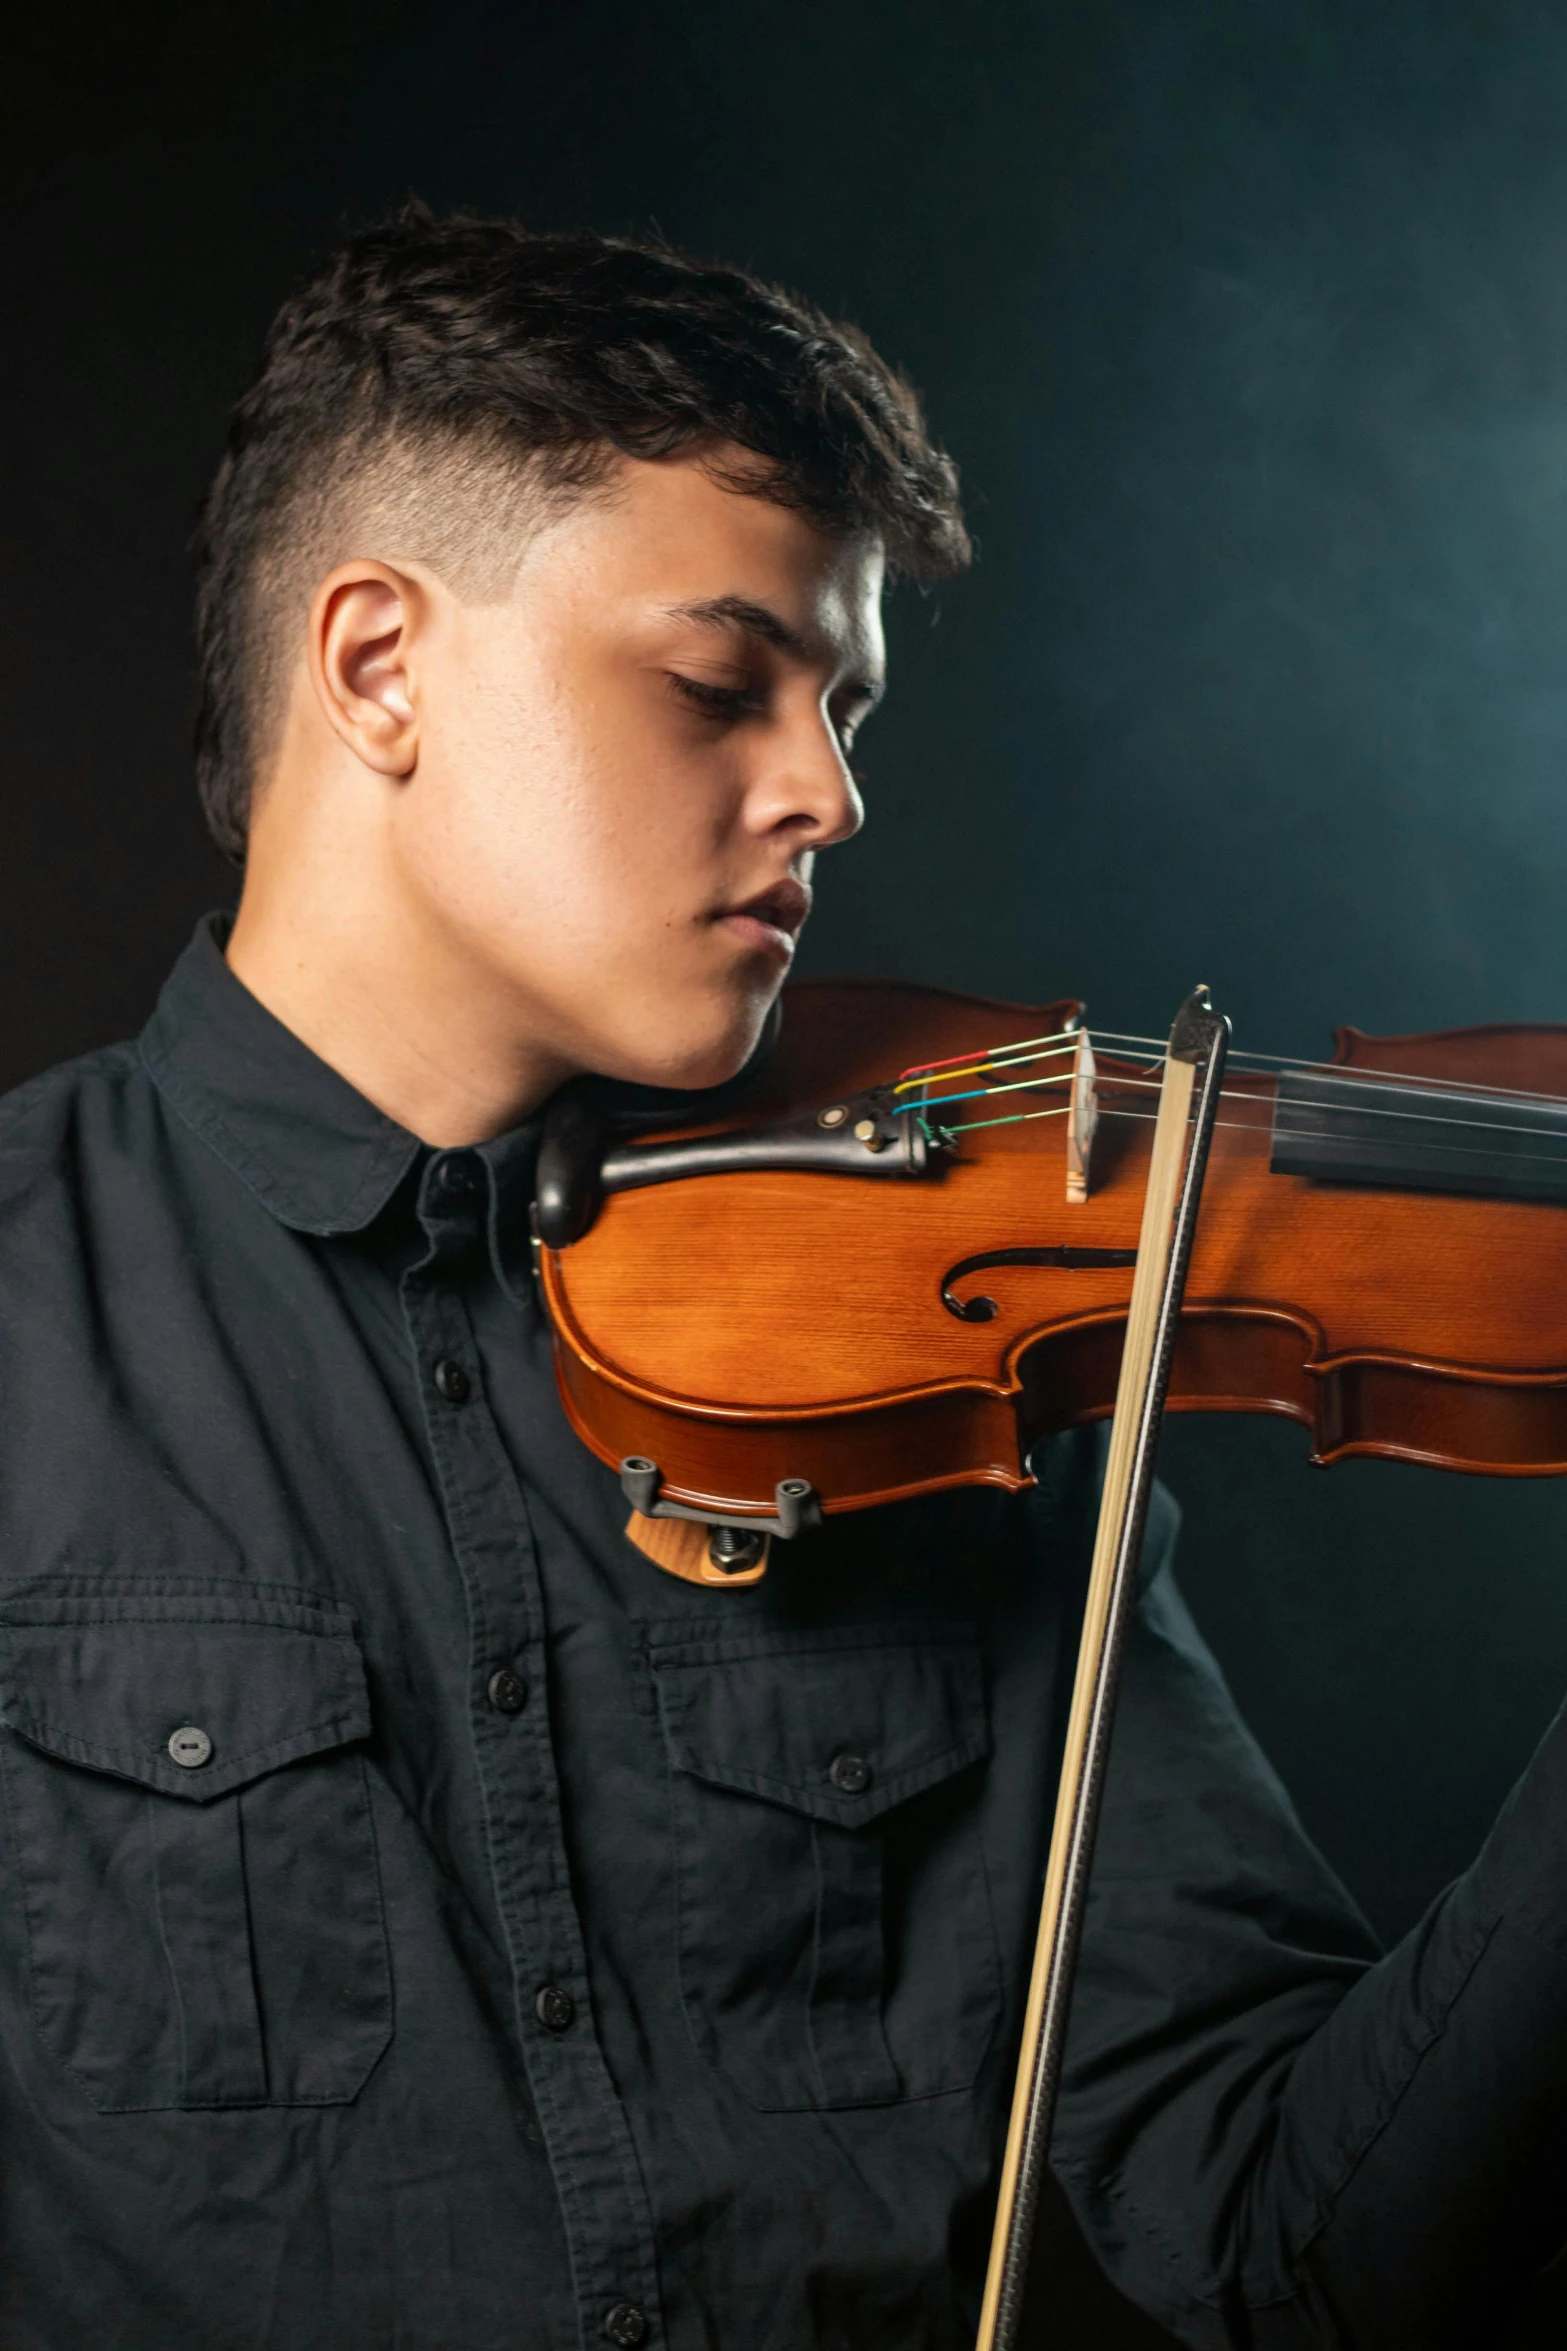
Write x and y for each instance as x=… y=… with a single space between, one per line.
x=736 y=1329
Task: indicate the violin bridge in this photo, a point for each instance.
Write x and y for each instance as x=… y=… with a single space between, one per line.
x=1081 y=1120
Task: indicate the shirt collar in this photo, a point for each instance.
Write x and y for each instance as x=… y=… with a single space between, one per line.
x=308 y=1145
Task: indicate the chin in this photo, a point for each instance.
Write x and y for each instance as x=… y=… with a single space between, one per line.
x=694 y=1053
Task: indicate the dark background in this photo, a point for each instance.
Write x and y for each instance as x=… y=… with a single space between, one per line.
x=1248 y=326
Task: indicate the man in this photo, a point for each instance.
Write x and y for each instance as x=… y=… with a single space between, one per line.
x=424 y=1923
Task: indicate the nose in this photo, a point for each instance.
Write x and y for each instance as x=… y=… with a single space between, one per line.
x=808 y=789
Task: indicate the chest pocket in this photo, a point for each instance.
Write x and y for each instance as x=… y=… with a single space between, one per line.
x=836 y=1942
x=187 y=1832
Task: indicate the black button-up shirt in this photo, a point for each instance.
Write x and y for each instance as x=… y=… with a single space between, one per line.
x=425 y=1925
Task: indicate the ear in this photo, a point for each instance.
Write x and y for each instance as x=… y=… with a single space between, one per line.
x=364 y=627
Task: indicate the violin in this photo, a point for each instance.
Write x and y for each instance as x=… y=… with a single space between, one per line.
x=901 y=1251
x=926 y=1229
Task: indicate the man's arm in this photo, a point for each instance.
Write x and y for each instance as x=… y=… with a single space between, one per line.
x=1272 y=2137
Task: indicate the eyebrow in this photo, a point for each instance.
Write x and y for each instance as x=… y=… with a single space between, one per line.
x=758 y=620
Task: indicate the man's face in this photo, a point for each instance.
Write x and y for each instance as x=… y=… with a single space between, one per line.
x=625 y=770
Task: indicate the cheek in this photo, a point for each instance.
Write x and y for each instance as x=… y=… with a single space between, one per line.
x=552 y=813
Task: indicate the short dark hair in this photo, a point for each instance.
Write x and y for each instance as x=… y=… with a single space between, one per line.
x=444 y=354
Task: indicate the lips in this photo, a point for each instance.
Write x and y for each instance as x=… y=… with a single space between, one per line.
x=783 y=907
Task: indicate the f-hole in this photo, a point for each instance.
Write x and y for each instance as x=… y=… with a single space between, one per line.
x=1067 y=1259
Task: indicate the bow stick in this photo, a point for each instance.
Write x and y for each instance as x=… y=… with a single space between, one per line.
x=1197 y=1041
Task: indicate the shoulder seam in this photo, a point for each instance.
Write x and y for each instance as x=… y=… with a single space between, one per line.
x=62 y=1079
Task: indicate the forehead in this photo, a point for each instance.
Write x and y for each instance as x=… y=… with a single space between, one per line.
x=664 y=536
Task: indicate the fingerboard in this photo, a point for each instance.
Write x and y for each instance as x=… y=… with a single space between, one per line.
x=1414 y=1138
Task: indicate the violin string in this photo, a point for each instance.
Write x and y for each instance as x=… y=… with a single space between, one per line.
x=991 y=1057
x=973 y=1093
x=1484 y=1126
x=1266 y=1109
x=1060 y=1043
x=1243 y=1127
x=1266 y=1105
x=1238 y=1126
x=1389 y=1078
x=1339 y=1069
x=982 y=1053
x=1015 y=1118
x=1445 y=1150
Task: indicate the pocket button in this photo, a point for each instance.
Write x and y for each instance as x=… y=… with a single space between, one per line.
x=554 y=2008
x=190 y=1747
x=850 y=1774
x=508 y=1692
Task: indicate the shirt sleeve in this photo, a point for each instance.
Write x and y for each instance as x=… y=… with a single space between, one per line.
x=1272 y=2136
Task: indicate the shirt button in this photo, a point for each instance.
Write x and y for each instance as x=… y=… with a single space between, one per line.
x=555 y=2010
x=456 y=1176
x=452 y=1381
x=625 y=2325
x=190 y=1748
x=508 y=1691
x=850 y=1774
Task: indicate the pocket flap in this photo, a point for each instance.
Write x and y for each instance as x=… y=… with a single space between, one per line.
x=841 y=1725
x=108 y=1678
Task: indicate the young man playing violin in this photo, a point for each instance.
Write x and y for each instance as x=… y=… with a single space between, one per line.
x=424 y=1922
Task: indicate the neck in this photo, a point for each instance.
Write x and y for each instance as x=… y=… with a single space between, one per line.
x=407 y=1013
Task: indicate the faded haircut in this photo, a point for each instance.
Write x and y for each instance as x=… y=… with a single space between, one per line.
x=445 y=383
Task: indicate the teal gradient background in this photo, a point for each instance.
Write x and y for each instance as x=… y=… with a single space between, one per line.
x=1248 y=327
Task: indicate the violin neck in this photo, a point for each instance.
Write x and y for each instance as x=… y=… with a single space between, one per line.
x=1415 y=1138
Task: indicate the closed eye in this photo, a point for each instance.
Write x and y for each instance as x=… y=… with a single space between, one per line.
x=712 y=701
